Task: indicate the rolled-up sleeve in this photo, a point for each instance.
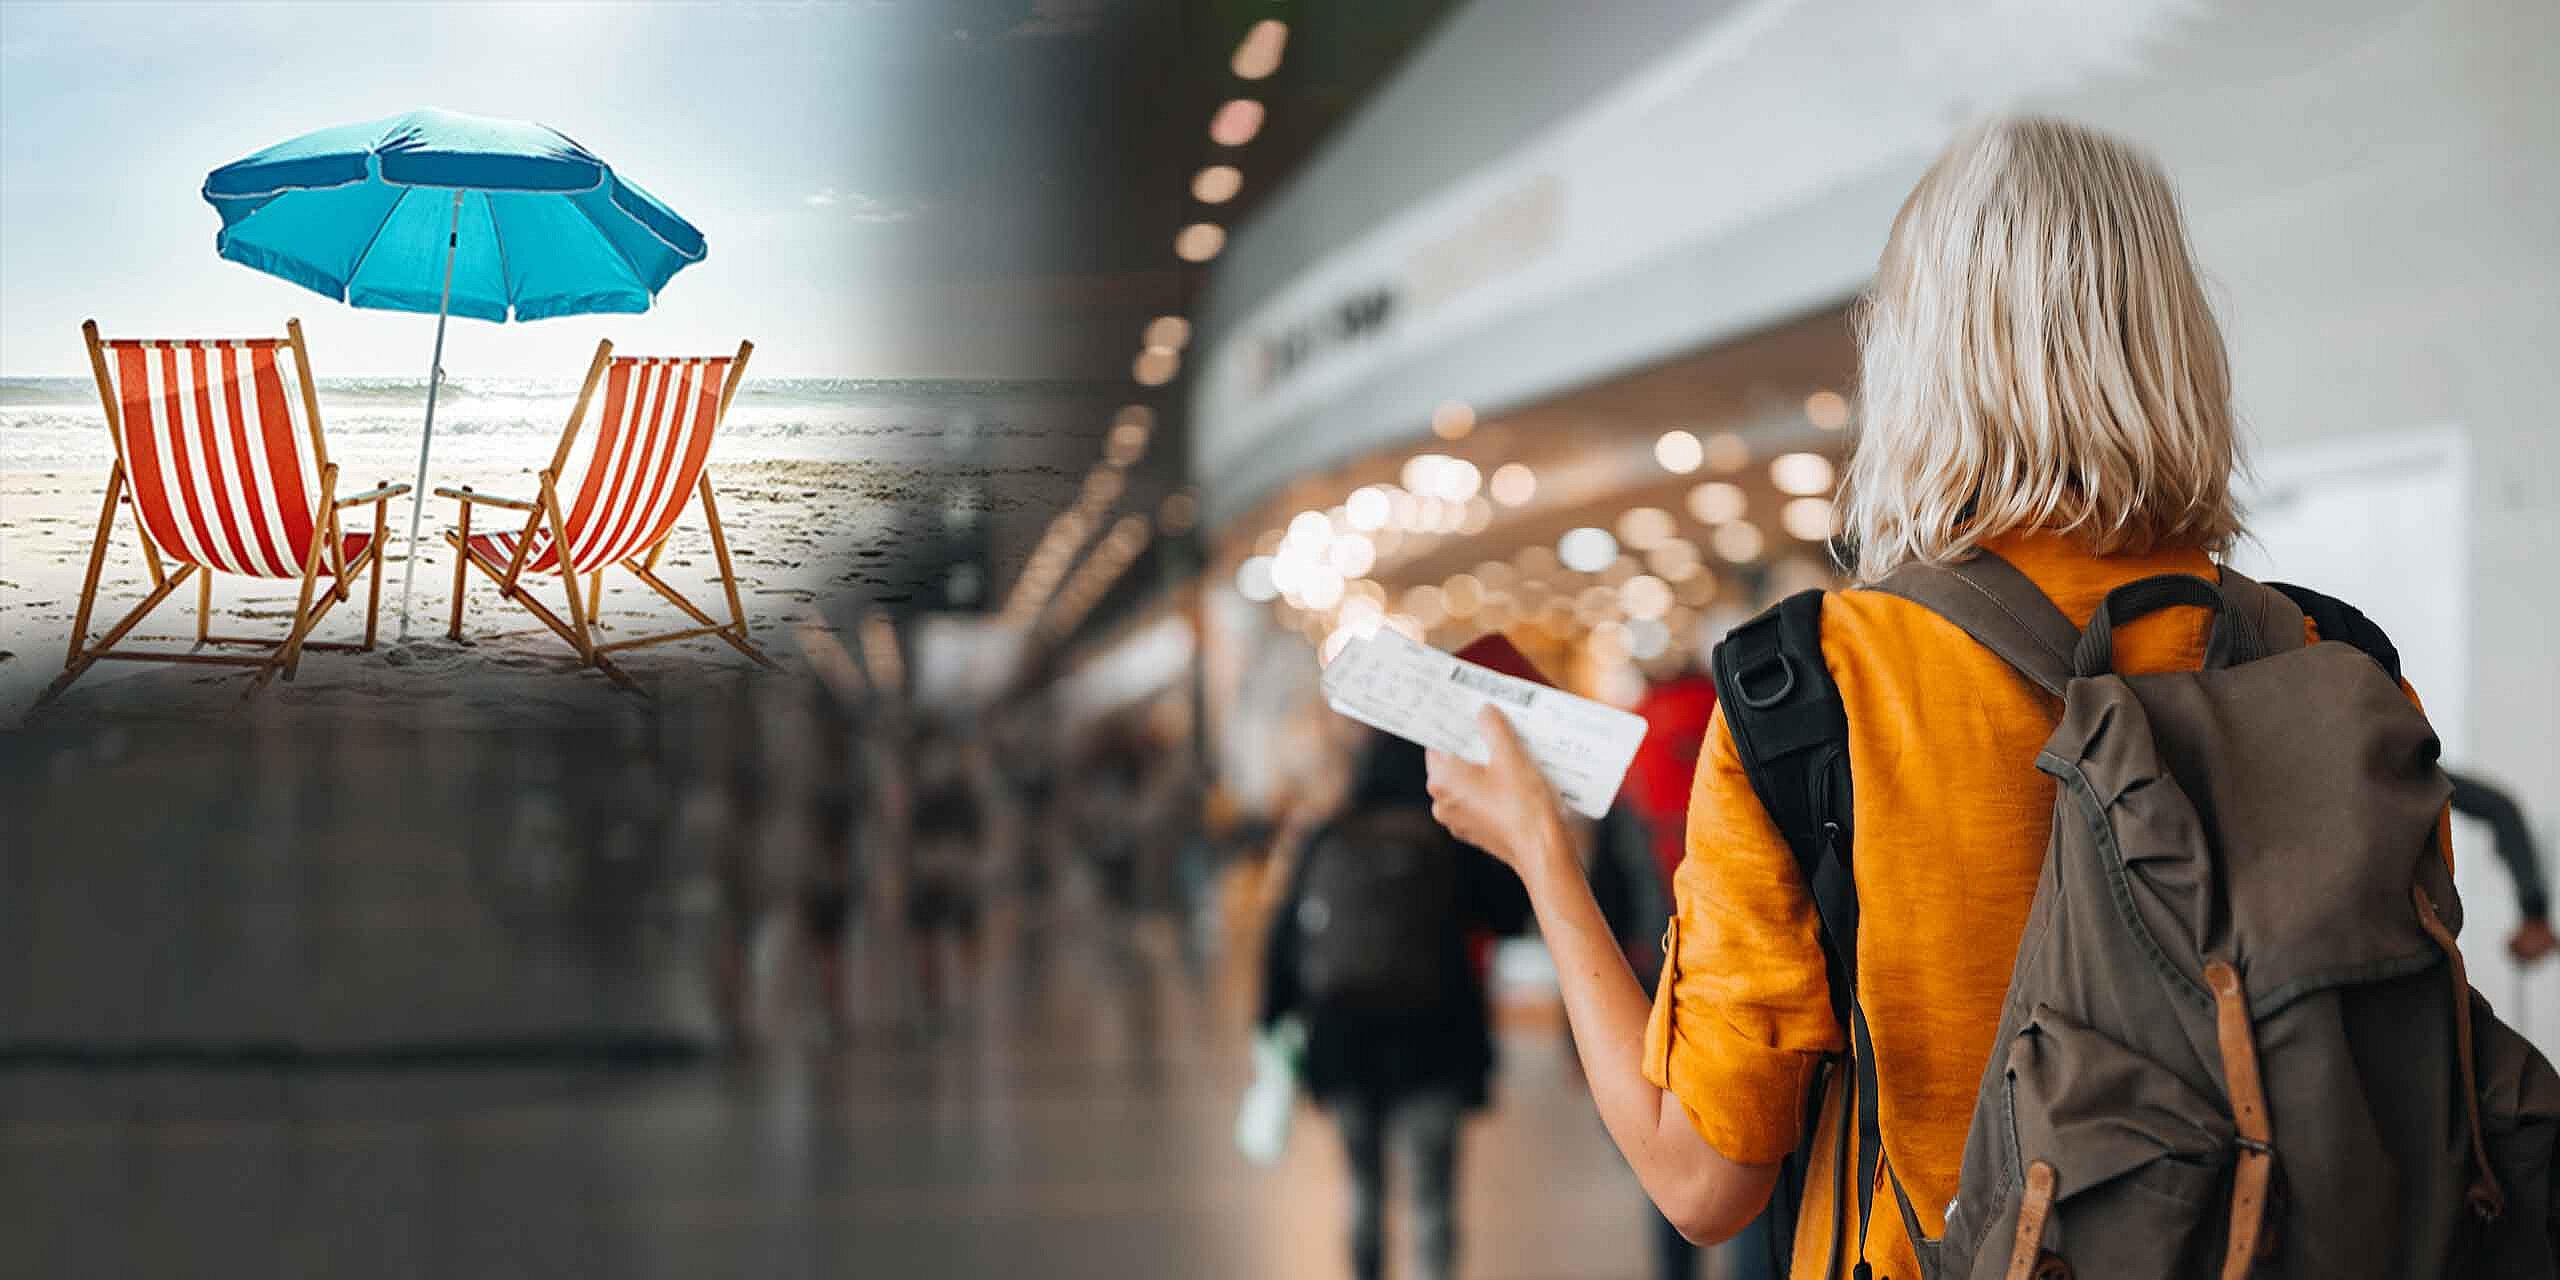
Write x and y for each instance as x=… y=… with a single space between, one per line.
x=1743 y=1013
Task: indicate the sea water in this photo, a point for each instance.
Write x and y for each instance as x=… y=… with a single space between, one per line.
x=487 y=426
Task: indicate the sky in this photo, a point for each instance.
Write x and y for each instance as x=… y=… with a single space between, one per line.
x=879 y=182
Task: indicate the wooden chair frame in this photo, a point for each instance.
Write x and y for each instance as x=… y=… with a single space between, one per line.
x=284 y=654
x=544 y=510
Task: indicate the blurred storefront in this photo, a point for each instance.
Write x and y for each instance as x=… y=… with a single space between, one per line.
x=1570 y=353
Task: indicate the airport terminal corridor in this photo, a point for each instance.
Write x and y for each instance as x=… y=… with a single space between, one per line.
x=1077 y=1124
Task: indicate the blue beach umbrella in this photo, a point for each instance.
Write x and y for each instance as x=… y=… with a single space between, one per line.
x=436 y=211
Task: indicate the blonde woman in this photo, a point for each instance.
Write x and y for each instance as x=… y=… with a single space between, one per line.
x=2042 y=379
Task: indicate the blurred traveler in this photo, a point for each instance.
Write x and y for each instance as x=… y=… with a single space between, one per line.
x=1374 y=946
x=2044 y=382
x=1026 y=757
x=1112 y=777
x=953 y=849
x=722 y=814
x=839 y=799
x=2476 y=798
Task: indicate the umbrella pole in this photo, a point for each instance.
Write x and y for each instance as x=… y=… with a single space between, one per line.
x=427 y=437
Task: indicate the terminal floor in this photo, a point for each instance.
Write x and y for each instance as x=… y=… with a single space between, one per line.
x=1079 y=1124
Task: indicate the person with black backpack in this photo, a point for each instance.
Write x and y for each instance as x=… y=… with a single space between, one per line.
x=959 y=837
x=2058 y=901
x=1374 y=948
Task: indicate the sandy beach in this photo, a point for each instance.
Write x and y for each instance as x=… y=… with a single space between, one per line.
x=809 y=539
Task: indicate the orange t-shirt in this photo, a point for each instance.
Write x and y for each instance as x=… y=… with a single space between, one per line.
x=1952 y=820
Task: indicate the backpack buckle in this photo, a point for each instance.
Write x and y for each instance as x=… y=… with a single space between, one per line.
x=1745 y=678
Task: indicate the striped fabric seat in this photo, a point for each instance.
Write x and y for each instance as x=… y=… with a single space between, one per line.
x=225 y=473
x=650 y=447
x=221 y=459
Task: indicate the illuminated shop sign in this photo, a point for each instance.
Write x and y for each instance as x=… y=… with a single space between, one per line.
x=1512 y=231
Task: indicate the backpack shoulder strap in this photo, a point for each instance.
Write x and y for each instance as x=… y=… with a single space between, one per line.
x=1792 y=732
x=2337 y=620
x=1990 y=600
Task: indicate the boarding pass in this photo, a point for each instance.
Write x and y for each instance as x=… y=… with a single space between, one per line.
x=1392 y=682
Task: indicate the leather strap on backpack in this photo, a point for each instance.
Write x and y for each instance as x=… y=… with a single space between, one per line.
x=2253 y=1180
x=2028 y=1249
x=2488 y=1202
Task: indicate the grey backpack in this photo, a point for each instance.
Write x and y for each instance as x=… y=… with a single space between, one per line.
x=2238 y=1039
x=1378 y=913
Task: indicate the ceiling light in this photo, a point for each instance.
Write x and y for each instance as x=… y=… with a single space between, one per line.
x=1461 y=595
x=1320 y=587
x=1199 y=242
x=1258 y=54
x=1361 y=614
x=1679 y=452
x=1645 y=596
x=1716 y=502
x=1644 y=528
x=1829 y=410
x=1126 y=444
x=1452 y=420
x=1351 y=555
x=1168 y=331
x=1648 y=638
x=1726 y=453
x=1217 y=184
x=1808 y=518
x=1238 y=119
x=1425 y=606
x=1673 y=560
x=1155 y=366
x=1368 y=509
x=1739 y=543
x=1800 y=473
x=1459 y=479
x=1609 y=643
x=1586 y=550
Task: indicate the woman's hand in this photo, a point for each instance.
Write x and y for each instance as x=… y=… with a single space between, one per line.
x=1503 y=806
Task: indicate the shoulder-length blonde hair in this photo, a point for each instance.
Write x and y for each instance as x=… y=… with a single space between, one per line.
x=2037 y=352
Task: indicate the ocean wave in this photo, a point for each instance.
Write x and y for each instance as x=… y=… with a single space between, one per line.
x=49 y=423
x=558 y=393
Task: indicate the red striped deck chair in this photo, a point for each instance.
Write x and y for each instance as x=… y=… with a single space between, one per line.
x=219 y=453
x=646 y=465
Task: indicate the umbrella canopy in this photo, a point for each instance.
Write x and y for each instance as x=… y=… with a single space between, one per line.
x=437 y=211
x=361 y=212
